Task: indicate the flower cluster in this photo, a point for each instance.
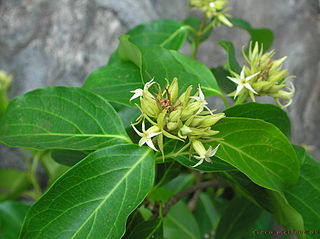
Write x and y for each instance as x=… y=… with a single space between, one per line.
x=263 y=76
x=213 y=8
x=185 y=118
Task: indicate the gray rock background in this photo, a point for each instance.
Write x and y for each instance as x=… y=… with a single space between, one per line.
x=45 y=43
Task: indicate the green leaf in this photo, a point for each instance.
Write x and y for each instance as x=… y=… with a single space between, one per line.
x=129 y=51
x=168 y=33
x=146 y=230
x=274 y=202
x=237 y=219
x=180 y=223
x=68 y=157
x=304 y=196
x=267 y=112
x=206 y=215
x=61 y=118
x=224 y=83
x=54 y=169
x=11 y=218
x=259 y=150
x=166 y=172
x=95 y=197
x=12 y=183
x=284 y=213
x=114 y=82
x=161 y=64
x=263 y=224
x=232 y=60
x=262 y=35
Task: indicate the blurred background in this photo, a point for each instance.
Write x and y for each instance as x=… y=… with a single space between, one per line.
x=46 y=43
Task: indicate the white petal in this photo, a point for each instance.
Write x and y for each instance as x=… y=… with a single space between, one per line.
x=137 y=93
x=235 y=80
x=153 y=134
x=197 y=164
x=242 y=74
x=239 y=88
x=143 y=127
x=135 y=129
x=197 y=98
x=148 y=84
x=201 y=95
x=252 y=76
x=213 y=152
x=248 y=86
x=151 y=145
x=142 y=141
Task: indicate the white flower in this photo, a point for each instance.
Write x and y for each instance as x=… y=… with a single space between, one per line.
x=146 y=135
x=139 y=92
x=201 y=99
x=209 y=153
x=243 y=82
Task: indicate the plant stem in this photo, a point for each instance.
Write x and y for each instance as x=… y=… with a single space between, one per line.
x=198 y=35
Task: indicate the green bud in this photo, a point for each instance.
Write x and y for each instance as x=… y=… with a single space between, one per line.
x=173 y=90
x=175 y=115
x=185 y=130
x=190 y=110
x=161 y=118
x=199 y=148
x=149 y=106
x=172 y=126
x=211 y=120
x=184 y=98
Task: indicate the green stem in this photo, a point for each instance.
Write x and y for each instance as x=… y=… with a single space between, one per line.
x=225 y=101
x=31 y=171
x=198 y=35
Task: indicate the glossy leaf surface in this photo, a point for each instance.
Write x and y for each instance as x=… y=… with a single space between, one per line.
x=237 y=219
x=61 y=118
x=114 y=82
x=259 y=150
x=95 y=197
x=267 y=112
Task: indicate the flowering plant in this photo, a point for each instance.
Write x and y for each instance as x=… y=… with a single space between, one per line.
x=139 y=151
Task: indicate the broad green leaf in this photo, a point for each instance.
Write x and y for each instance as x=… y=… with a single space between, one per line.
x=12 y=183
x=264 y=223
x=238 y=217
x=262 y=35
x=259 y=150
x=160 y=64
x=284 y=213
x=224 y=83
x=232 y=64
x=167 y=33
x=95 y=197
x=146 y=230
x=183 y=181
x=11 y=218
x=180 y=223
x=273 y=202
x=206 y=215
x=129 y=51
x=68 y=157
x=267 y=112
x=61 y=118
x=305 y=195
x=114 y=82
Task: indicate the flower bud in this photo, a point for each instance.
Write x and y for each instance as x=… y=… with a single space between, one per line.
x=175 y=115
x=149 y=106
x=185 y=130
x=211 y=120
x=173 y=90
x=172 y=126
x=184 y=98
x=199 y=148
x=190 y=110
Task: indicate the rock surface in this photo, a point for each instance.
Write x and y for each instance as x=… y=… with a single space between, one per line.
x=46 y=43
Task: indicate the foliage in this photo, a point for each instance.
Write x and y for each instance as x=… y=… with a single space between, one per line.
x=204 y=175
